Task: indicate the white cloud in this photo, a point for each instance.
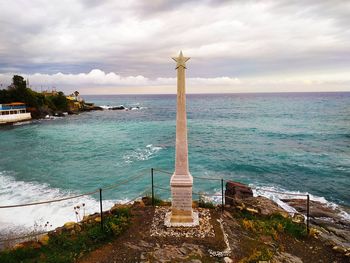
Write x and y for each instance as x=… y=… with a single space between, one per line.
x=97 y=81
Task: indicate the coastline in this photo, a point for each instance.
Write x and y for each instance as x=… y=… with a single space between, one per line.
x=251 y=210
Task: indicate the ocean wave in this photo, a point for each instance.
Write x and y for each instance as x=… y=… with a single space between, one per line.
x=110 y=107
x=122 y=107
x=142 y=154
x=26 y=219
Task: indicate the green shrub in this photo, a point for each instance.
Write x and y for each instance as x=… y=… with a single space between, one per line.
x=19 y=255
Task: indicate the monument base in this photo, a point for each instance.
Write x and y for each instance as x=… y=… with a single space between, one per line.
x=181 y=201
x=178 y=220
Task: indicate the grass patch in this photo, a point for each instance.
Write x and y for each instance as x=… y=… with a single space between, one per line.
x=272 y=225
x=157 y=200
x=68 y=246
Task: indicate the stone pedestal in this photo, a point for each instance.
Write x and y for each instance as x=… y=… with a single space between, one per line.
x=181 y=203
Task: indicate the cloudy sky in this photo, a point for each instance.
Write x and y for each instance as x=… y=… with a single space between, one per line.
x=107 y=47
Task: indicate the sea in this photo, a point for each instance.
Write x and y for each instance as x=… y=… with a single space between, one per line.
x=285 y=142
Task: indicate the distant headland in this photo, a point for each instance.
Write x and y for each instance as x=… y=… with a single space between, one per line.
x=43 y=104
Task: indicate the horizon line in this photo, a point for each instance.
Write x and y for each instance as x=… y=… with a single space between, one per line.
x=217 y=93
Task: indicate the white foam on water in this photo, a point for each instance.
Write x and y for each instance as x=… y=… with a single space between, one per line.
x=133 y=107
x=50 y=118
x=108 y=107
x=138 y=108
x=19 y=192
x=22 y=123
x=142 y=154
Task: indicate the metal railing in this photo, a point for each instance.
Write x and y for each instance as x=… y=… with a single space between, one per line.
x=223 y=196
x=152 y=188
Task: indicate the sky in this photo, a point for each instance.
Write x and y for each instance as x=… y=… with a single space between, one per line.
x=121 y=47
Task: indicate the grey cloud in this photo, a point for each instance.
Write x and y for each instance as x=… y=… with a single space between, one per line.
x=149 y=8
x=225 y=38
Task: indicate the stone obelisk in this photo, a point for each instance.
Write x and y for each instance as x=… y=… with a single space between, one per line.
x=181 y=181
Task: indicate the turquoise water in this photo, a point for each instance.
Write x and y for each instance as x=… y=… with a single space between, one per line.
x=290 y=142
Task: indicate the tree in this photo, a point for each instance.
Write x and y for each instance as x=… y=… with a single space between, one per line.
x=19 y=82
x=60 y=101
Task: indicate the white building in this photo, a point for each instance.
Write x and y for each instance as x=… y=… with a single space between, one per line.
x=13 y=112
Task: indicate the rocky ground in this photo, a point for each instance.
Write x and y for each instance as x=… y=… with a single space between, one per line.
x=145 y=240
x=328 y=223
x=249 y=229
x=312 y=248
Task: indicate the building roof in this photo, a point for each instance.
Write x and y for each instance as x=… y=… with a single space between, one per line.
x=14 y=104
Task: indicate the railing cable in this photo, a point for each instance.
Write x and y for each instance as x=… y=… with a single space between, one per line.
x=75 y=196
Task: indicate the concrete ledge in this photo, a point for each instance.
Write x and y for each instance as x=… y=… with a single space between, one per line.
x=168 y=223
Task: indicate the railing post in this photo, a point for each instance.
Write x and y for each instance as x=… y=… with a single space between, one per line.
x=222 y=195
x=152 y=187
x=308 y=214
x=101 y=209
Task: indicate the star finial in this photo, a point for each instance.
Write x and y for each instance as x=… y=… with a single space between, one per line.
x=181 y=60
